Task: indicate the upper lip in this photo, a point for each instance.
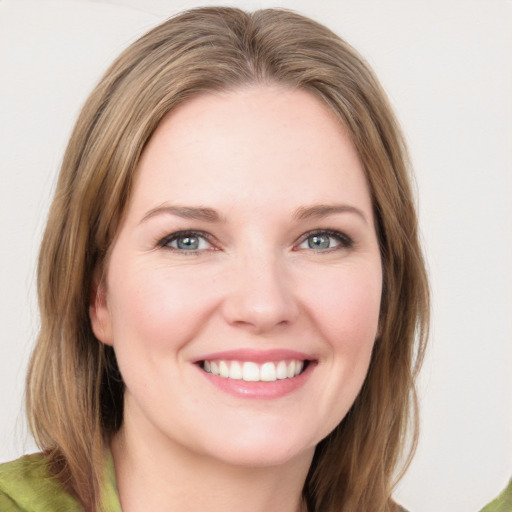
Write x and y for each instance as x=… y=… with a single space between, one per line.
x=255 y=355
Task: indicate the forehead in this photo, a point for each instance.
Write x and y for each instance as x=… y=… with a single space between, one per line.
x=251 y=143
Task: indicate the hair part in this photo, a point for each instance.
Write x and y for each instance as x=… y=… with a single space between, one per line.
x=74 y=388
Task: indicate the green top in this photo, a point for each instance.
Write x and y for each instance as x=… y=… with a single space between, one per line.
x=26 y=486
x=503 y=503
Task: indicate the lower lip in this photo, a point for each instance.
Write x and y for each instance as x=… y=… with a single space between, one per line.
x=260 y=390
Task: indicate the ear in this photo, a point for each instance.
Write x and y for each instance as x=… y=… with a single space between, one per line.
x=98 y=312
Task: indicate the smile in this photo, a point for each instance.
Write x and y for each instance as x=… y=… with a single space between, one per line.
x=250 y=371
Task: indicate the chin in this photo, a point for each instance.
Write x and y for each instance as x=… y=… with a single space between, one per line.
x=257 y=456
x=262 y=447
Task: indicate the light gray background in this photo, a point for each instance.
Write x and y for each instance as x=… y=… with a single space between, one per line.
x=447 y=66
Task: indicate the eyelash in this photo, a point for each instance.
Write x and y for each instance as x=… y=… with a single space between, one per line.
x=345 y=242
x=164 y=243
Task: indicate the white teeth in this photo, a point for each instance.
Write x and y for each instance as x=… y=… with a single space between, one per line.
x=223 y=369
x=235 y=370
x=268 y=372
x=291 y=369
x=254 y=372
x=282 y=371
x=251 y=372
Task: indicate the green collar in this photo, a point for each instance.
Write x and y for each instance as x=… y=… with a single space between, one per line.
x=26 y=485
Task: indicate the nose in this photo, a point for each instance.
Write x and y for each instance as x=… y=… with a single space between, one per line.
x=261 y=295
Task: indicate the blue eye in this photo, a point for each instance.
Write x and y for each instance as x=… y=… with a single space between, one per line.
x=325 y=240
x=187 y=241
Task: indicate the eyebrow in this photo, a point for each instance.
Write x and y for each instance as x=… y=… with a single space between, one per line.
x=210 y=215
x=323 y=210
x=186 y=212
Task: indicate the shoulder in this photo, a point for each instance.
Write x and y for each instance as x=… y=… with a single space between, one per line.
x=503 y=503
x=26 y=485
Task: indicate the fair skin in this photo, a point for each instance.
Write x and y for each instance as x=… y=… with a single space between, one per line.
x=242 y=299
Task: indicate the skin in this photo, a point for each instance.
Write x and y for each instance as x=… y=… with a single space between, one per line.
x=259 y=157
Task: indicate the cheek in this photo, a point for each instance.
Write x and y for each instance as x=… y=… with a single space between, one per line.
x=347 y=305
x=344 y=306
x=155 y=308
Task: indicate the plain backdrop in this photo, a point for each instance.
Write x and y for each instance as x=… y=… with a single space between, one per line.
x=447 y=67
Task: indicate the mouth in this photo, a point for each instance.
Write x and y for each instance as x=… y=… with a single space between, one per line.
x=250 y=371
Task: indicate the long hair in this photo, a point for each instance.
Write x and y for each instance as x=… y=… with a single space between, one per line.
x=74 y=389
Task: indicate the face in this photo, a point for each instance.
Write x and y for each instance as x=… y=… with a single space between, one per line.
x=242 y=292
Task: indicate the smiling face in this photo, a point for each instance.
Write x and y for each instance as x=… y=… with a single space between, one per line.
x=243 y=289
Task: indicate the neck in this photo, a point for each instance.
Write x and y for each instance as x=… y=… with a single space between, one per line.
x=154 y=473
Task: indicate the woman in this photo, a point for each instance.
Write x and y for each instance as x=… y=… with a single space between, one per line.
x=232 y=292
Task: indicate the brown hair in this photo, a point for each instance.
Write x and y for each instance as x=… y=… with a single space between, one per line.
x=74 y=390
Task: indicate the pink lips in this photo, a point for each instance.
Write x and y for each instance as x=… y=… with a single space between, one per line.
x=256 y=356
x=259 y=389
